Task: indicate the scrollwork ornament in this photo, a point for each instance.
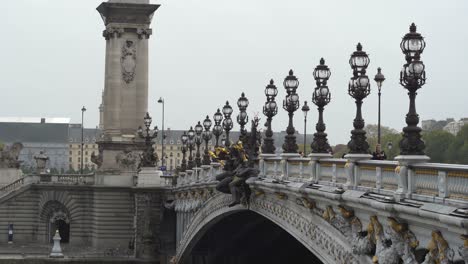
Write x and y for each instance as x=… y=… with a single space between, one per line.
x=439 y=250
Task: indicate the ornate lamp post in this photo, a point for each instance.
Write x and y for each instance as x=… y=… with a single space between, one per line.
x=161 y=101
x=242 y=117
x=217 y=128
x=270 y=109
x=359 y=88
x=184 y=139
x=305 y=109
x=82 y=142
x=227 y=122
x=379 y=78
x=290 y=104
x=412 y=77
x=207 y=136
x=190 y=142
x=321 y=97
x=149 y=160
x=198 y=141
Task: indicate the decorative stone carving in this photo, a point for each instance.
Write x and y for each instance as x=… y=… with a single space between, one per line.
x=393 y=245
x=144 y=33
x=97 y=159
x=305 y=202
x=439 y=250
x=464 y=249
x=128 y=160
x=128 y=61
x=41 y=162
x=9 y=156
x=112 y=32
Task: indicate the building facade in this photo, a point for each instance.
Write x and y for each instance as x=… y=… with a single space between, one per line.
x=90 y=136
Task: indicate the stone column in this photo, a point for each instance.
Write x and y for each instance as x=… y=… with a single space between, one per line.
x=125 y=96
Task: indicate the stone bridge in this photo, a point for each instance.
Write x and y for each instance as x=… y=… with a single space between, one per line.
x=338 y=210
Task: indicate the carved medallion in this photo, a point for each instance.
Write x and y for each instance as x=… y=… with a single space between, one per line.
x=128 y=61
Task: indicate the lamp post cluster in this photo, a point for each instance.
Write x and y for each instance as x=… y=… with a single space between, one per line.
x=270 y=109
x=359 y=88
x=321 y=97
x=149 y=159
x=290 y=104
x=412 y=77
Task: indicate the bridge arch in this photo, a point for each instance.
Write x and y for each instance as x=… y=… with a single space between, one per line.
x=314 y=233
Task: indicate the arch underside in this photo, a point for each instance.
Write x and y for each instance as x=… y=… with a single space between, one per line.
x=317 y=235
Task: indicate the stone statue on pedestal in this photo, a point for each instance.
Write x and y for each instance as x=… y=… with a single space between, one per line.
x=9 y=156
x=41 y=162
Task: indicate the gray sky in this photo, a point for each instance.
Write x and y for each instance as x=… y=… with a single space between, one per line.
x=203 y=53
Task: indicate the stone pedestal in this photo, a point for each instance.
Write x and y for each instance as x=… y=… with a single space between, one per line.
x=56 y=249
x=150 y=177
x=314 y=167
x=406 y=177
x=352 y=171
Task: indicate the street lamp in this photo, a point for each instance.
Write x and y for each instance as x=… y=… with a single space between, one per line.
x=379 y=78
x=242 y=117
x=412 y=77
x=148 y=159
x=207 y=136
x=198 y=141
x=270 y=109
x=161 y=101
x=184 y=139
x=321 y=97
x=227 y=122
x=82 y=142
x=290 y=104
x=190 y=142
x=305 y=109
x=359 y=88
x=217 y=128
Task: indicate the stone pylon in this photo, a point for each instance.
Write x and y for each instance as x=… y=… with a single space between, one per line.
x=125 y=96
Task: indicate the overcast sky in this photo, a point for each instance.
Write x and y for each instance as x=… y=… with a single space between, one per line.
x=204 y=52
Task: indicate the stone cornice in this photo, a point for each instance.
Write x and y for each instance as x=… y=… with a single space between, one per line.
x=126 y=13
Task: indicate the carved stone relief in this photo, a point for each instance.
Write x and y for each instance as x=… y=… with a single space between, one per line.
x=128 y=61
x=128 y=160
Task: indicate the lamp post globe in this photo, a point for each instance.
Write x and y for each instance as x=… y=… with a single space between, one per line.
x=321 y=97
x=207 y=136
x=359 y=88
x=412 y=78
x=290 y=104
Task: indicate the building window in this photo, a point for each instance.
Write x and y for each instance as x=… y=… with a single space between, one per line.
x=86 y=152
x=70 y=159
x=71 y=152
x=79 y=152
x=178 y=154
x=79 y=159
x=86 y=159
x=170 y=148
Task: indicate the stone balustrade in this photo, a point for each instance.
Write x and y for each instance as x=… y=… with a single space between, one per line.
x=427 y=182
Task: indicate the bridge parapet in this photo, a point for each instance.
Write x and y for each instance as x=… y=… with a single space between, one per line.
x=338 y=201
